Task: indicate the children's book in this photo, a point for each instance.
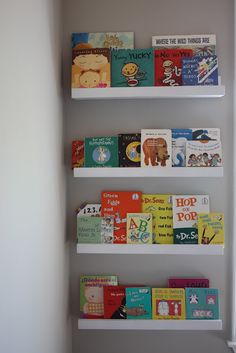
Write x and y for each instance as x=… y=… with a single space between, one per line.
x=112 y=40
x=107 y=230
x=91 y=295
x=138 y=303
x=139 y=228
x=206 y=134
x=168 y=303
x=118 y=204
x=179 y=139
x=129 y=150
x=200 y=44
x=156 y=148
x=114 y=302
x=168 y=66
x=188 y=282
x=202 y=303
x=89 y=230
x=91 y=68
x=89 y=209
x=203 y=154
x=185 y=216
x=132 y=67
x=101 y=151
x=210 y=228
x=200 y=71
x=77 y=154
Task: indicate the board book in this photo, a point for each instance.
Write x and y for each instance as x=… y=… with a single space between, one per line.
x=204 y=154
x=185 y=216
x=202 y=303
x=168 y=303
x=112 y=40
x=179 y=139
x=188 y=282
x=101 y=151
x=139 y=228
x=211 y=228
x=138 y=303
x=129 y=150
x=77 y=154
x=200 y=71
x=89 y=209
x=114 y=302
x=205 y=134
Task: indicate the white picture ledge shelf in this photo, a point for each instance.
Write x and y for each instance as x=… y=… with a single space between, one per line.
x=148 y=92
x=165 y=249
x=198 y=172
x=102 y=324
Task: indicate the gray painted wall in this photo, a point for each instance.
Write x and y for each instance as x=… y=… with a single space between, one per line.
x=94 y=118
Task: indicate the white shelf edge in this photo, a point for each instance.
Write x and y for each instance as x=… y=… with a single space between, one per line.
x=165 y=249
x=148 y=92
x=152 y=172
x=232 y=345
x=195 y=325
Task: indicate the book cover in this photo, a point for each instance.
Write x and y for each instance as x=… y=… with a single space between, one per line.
x=89 y=209
x=77 y=154
x=118 y=204
x=204 y=154
x=89 y=230
x=139 y=228
x=205 y=134
x=112 y=40
x=210 y=228
x=101 y=151
x=200 y=71
x=129 y=150
x=107 y=230
x=91 y=68
x=168 y=66
x=202 y=303
x=185 y=216
x=200 y=44
x=156 y=148
x=138 y=303
x=91 y=295
x=188 y=282
x=132 y=67
x=179 y=139
x=114 y=302
x=168 y=303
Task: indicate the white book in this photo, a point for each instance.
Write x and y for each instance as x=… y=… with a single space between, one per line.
x=203 y=154
x=205 y=133
x=190 y=40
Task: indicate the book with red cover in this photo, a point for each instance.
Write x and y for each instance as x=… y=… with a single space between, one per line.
x=114 y=302
x=77 y=154
x=118 y=204
x=188 y=282
x=168 y=66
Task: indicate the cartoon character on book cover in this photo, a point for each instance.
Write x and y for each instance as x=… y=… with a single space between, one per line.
x=111 y=40
x=129 y=150
x=101 y=151
x=168 y=303
x=203 y=154
x=202 y=304
x=179 y=139
x=210 y=228
x=139 y=228
x=200 y=71
x=138 y=303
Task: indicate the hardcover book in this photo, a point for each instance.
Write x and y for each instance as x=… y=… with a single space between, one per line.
x=129 y=150
x=202 y=303
x=132 y=67
x=200 y=71
x=168 y=303
x=118 y=204
x=156 y=148
x=185 y=216
x=89 y=209
x=112 y=40
x=179 y=139
x=188 y=282
x=77 y=154
x=206 y=134
x=91 y=295
x=139 y=228
x=114 y=302
x=138 y=303
x=210 y=228
x=204 y=154
x=101 y=151
x=89 y=230
x=107 y=230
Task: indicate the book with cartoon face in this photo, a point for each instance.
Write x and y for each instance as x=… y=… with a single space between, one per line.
x=168 y=303
x=211 y=228
x=202 y=304
x=129 y=150
x=138 y=303
x=110 y=40
x=139 y=228
x=203 y=154
x=101 y=151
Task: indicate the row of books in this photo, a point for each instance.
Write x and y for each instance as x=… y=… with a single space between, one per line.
x=195 y=147
x=102 y=297
x=131 y=217
x=172 y=60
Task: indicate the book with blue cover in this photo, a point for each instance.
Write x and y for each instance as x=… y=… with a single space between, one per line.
x=138 y=303
x=202 y=304
x=200 y=70
x=179 y=139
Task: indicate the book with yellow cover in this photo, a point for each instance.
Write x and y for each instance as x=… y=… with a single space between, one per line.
x=139 y=228
x=210 y=228
x=168 y=303
x=160 y=206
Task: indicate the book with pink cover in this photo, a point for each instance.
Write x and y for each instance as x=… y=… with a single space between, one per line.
x=180 y=282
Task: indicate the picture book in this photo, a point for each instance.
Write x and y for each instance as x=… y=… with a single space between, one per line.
x=89 y=230
x=168 y=66
x=200 y=44
x=210 y=228
x=91 y=68
x=114 y=302
x=112 y=40
x=138 y=303
x=188 y=282
x=139 y=228
x=185 y=216
x=118 y=204
x=129 y=150
x=91 y=295
x=206 y=134
x=132 y=67
x=168 y=303
x=203 y=154
x=156 y=148
x=202 y=303
x=179 y=139
x=101 y=151
x=107 y=230
x=89 y=209
x=77 y=154
x=200 y=70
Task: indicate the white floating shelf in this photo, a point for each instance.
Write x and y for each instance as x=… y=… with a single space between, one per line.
x=102 y=324
x=162 y=172
x=164 y=249
x=148 y=92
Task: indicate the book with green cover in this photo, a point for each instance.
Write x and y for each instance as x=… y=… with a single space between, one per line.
x=89 y=230
x=101 y=151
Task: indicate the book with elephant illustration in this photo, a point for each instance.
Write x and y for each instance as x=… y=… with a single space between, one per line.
x=168 y=303
x=210 y=228
x=139 y=228
x=179 y=139
x=138 y=303
x=101 y=151
x=156 y=148
x=129 y=150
